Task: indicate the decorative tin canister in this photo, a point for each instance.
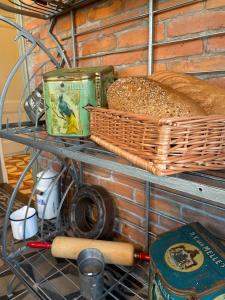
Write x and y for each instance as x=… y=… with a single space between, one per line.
x=188 y=263
x=67 y=92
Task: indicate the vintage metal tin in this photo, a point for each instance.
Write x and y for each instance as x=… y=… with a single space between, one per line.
x=67 y=92
x=188 y=263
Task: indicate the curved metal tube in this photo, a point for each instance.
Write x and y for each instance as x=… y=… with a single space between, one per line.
x=27 y=35
x=11 y=202
x=54 y=38
x=22 y=12
x=9 y=79
x=24 y=91
x=24 y=33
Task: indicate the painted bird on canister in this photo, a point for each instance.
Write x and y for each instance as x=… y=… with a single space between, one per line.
x=68 y=114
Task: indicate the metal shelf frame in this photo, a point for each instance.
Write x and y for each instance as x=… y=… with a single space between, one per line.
x=124 y=283
x=43 y=9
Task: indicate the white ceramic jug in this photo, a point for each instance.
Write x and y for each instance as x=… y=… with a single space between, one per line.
x=47 y=194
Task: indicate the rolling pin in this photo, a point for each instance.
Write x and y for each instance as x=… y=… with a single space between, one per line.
x=118 y=253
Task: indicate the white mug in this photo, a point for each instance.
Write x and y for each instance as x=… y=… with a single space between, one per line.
x=17 y=220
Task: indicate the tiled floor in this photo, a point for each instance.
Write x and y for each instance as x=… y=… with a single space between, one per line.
x=15 y=165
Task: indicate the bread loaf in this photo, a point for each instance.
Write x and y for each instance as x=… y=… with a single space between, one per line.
x=211 y=98
x=143 y=96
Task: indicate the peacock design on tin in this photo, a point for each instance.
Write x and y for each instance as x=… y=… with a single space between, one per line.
x=67 y=113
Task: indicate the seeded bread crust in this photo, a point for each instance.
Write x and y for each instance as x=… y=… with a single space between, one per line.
x=210 y=97
x=145 y=96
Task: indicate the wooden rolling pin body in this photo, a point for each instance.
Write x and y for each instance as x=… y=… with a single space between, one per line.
x=113 y=252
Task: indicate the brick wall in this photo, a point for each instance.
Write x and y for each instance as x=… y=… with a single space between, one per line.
x=200 y=54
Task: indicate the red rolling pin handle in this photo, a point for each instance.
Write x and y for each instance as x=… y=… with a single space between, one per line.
x=142 y=256
x=39 y=245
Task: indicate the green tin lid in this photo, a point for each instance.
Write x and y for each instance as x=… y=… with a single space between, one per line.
x=189 y=260
x=78 y=72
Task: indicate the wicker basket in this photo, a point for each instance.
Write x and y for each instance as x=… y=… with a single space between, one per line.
x=163 y=147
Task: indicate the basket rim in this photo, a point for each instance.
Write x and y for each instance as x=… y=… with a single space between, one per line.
x=162 y=121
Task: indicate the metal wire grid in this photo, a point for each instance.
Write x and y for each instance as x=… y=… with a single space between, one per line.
x=84 y=151
x=43 y=9
x=51 y=278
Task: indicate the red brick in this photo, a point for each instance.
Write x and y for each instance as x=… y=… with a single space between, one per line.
x=159 y=67
x=56 y=166
x=159 y=32
x=131 y=4
x=49 y=67
x=89 y=36
x=214 y=225
x=214 y=3
x=178 y=50
x=40 y=58
x=105 y=10
x=117 y=188
x=216 y=44
x=63 y=24
x=125 y=15
x=197 y=23
x=177 y=12
x=198 y=64
x=90 y=179
x=43 y=33
x=168 y=207
x=133 y=234
x=127 y=216
x=81 y=17
x=124 y=58
x=43 y=163
x=169 y=224
x=97 y=171
x=122 y=27
x=99 y=45
x=33 y=23
x=49 y=43
x=137 y=70
x=38 y=80
x=48 y=155
x=89 y=62
x=133 y=38
x=140 y=197
x=130 y=181
x=132 y=208
x=156 y=229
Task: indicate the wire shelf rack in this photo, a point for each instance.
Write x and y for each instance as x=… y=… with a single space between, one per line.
x=42 y=273
x=43 y=9
x=51 y=278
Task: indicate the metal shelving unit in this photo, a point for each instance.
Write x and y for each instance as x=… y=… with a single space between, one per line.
x=43 y=9
x=39 y=271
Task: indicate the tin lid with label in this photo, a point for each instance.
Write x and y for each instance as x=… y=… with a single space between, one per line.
x=189 y=259
x=77 y=73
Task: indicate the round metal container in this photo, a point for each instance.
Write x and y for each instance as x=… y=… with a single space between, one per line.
x=91 y=268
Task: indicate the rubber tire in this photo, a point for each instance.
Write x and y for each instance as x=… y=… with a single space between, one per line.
x=103 y=202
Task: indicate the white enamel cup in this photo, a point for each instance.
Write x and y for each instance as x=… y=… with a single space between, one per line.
x=17 y=220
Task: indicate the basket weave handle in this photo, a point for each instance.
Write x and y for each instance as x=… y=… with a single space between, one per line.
x=147 y=165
